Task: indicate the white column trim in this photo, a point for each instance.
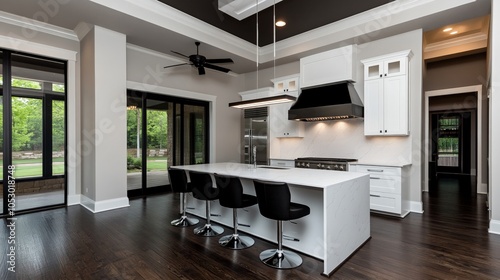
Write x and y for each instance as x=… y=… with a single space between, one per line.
x=104 y=205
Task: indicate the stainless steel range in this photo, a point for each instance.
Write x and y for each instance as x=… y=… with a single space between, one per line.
x=338 y=164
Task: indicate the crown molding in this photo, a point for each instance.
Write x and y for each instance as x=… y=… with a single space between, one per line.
x=32 y=24
x=162 y=15
x=359 y=25
x=154 y=53
x=456 y=42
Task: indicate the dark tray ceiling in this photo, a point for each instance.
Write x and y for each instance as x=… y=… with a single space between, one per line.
x=300 y=15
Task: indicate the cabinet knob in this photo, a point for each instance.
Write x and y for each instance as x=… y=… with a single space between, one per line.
x=380 y=75
x=381 y=131
x=386 y=74
x=386 y=131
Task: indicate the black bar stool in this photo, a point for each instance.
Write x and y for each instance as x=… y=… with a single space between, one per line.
x=203 y=189
x=274 y=203
x=232 y=196
x=179 y=184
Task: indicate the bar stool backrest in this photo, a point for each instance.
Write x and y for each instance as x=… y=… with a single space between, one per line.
x=203 y=187
x=273 y=199
x=178 y=181
x=231 y=191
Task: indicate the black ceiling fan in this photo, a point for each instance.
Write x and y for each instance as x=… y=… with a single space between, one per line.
x=200 y=62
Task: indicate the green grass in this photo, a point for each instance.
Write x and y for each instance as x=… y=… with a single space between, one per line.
x=23 y=170
x=154 y=164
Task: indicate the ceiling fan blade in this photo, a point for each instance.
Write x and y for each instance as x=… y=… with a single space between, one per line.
x=218 y=68
x=178 y=53
x=168 y=66
x=220 y=60
x=201 y=70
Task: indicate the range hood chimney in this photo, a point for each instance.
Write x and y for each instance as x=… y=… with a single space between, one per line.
x=328 y=102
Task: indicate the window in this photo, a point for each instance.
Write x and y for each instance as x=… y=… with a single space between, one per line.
x=33 y=97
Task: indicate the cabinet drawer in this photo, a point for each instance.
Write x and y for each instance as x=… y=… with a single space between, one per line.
x=386 y=184
x=379 y=170
x=282 y=162
x=385 y=202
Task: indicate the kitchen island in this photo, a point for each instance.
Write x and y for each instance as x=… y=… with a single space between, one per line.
x=339 y=222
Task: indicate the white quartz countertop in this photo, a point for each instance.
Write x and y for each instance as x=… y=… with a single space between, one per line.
x=297 y=176
x=382 y=163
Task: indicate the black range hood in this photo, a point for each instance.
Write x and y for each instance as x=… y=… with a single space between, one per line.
x=329 y=102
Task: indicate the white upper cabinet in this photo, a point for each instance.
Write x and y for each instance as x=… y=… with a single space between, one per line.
x=386 y=96
x=286 y=84
x=385 y=68
x=328 y=67
x=280 y=126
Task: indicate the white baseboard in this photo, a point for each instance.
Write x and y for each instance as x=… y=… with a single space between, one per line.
x=105 y=205
x=494 y=227
x=416 y=207
x=483 y=189
x=74 y=199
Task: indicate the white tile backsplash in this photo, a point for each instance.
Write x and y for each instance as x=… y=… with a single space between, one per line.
x=343 y=139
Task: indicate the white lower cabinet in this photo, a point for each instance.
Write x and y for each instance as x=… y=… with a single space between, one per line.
x=282 y=162
x=389 y=189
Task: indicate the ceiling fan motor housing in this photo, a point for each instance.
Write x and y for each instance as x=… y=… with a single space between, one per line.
x=197 y=60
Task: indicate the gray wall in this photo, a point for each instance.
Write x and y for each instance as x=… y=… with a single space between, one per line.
x=87 y=115
x=456 y=72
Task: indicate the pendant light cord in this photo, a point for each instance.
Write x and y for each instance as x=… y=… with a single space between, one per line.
x=274 y=39
x=257 y=44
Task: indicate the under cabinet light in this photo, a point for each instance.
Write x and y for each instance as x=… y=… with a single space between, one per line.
x=262 y=101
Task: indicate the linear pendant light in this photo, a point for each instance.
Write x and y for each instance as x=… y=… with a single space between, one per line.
x=265 y=101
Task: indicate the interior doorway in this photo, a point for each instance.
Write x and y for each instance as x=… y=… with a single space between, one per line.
x=453 y=133
x=453 y=140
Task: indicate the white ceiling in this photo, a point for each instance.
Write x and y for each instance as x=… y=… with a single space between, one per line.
x=155 y=26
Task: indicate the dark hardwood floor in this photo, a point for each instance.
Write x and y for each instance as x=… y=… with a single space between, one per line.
x=449 y=241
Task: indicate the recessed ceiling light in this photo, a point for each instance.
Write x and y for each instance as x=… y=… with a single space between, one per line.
x=447 y=29
x=280 y=23
x=454 y=32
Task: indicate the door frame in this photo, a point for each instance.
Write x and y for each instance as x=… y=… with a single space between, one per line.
x=480 y=128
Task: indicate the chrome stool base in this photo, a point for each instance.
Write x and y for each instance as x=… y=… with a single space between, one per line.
x=236 y=242
x=282 y=260
x=184 y=221
x=208 y=230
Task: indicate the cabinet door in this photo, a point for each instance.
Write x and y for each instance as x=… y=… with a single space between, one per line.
x=395 y=106
x=374 y=70
x=287 y=85
x=280 y=125
x=395 y=66
x=374 y=90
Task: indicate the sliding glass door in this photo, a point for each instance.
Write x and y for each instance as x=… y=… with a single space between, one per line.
x=162 y=131
x=158 y=114
x=33 y=136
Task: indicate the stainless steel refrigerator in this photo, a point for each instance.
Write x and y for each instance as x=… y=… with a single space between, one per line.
x=255 y=135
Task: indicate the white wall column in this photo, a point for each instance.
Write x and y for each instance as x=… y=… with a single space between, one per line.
x=494 y=183
x=103 y=108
